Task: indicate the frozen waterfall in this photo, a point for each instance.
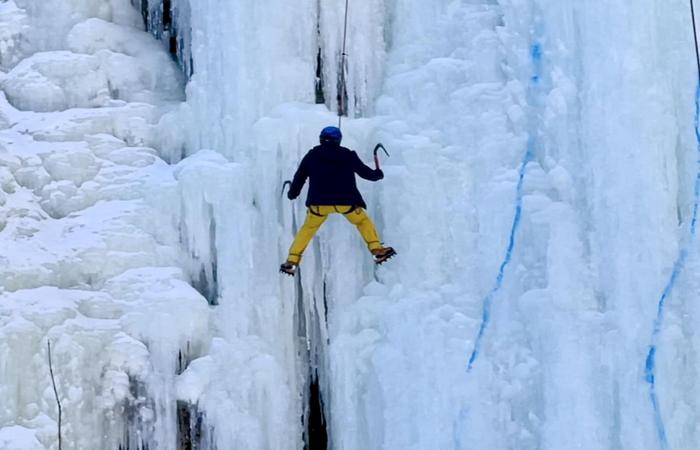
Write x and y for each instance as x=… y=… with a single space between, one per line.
x=540 y=193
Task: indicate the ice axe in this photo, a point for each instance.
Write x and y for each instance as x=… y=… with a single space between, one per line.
x=376 y=151
x=284 y=186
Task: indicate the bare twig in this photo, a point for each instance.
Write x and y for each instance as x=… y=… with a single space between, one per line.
x=55 y=391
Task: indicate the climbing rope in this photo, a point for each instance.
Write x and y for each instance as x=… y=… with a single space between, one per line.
x=650 y=362
x=695 y=36
x=342 y=90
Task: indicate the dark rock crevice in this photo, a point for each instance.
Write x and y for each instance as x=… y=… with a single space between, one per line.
x=168 y=21
x=192 y=431
x=204 y=276
x=342 y=95
x=320 y=96
x=316 y=431
x=138 y=411
x=315 y=420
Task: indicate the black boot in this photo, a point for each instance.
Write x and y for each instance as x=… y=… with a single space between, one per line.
x=381 y=255
x=289 y=268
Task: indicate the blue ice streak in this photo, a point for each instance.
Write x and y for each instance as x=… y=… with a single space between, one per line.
x=650 y=363
x=488 y=300
x=536 y=55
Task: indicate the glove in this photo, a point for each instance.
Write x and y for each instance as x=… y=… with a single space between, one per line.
x=290 y=195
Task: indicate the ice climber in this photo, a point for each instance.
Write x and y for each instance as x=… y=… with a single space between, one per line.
x=331 y=171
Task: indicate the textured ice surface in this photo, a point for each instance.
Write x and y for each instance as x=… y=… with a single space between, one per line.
x=115 y=255
x=14 y=22
x=106 y=62
x=90 y=245
x=606 y=198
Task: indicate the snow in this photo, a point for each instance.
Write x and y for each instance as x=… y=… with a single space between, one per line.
x=90 y=257
x=19 y=438
x=91 y=74
x=141 y=222
x=14 y=22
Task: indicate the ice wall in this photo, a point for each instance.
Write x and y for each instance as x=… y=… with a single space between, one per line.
x=89 y=217
x=606 y=200
x=252 y=101
x=592 y=105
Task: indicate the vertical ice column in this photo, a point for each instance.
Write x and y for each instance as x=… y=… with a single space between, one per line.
x=169 y=21
x=365 y=52
x=14 y=21
x=248 y=58
x=635 y=132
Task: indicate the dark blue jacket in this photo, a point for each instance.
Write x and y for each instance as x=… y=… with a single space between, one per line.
x=331 y=171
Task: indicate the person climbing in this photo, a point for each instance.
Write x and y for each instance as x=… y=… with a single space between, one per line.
x=331 y=171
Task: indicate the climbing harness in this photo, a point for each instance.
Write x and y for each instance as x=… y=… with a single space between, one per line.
x=342 y=89
x=650 y=362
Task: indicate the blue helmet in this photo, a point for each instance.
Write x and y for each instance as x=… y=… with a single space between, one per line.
x=331 y=134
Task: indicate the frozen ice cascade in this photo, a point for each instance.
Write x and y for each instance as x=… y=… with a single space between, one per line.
x=540 y=194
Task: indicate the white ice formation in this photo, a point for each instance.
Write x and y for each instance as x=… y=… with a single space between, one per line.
x=141 y=225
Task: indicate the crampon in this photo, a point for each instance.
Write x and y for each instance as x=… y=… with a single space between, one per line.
x=382 y=255
x=288 y=268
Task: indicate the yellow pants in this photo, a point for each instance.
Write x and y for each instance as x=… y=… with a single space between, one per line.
x=315 y=217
